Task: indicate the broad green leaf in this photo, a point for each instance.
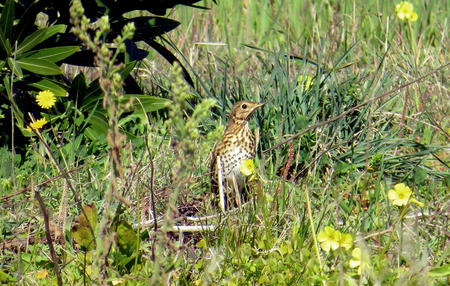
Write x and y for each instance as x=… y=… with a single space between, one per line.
x=7 y=18
x=83 y=228
x=6 y=278
x=53 y=54
x=149 y=103
x=126 y=238
x=441 y=271
x=14 y=66
x=39 y=66
x=4 y=43
x=54 y=87
x=92 y=97
x=98 y=129
x=128 y=68
x=78 y=88
x=38 y=37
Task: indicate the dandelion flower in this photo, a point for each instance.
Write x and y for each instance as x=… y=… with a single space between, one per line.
x=329 y=238
x=405 y=11
x=37 y=124
x=46 y=99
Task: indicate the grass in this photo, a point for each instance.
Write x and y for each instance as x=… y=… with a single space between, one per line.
x=341 y=171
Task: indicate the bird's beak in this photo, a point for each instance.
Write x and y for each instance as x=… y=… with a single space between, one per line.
x=260 y=104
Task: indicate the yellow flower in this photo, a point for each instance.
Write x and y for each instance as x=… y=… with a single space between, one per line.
x=346 y=241
x=356 y=259
x=37 y=124
x=46 y=99
x=413 y=17
x=42 y=274
x=305 y=81
x=329 y=238
x=247 y=167
x=405 y=11
x=400 y=195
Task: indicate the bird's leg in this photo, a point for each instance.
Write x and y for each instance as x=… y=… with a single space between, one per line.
x=256 y=138
x=236 y=190
x=221 y=185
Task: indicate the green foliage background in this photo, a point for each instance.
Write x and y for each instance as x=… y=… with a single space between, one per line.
x=335 y=175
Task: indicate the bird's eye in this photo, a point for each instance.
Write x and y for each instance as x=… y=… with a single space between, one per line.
x=244 y=106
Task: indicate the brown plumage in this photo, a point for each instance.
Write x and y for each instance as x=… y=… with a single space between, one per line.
x=237 y=143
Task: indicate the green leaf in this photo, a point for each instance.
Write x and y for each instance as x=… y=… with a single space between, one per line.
x=149 y=103
x=128 y=69
x=7 y=18
x=441 y=271
x=420 y=175
x=126 y=238
x=38 y=37
x=93 y=95
x=82 y=229
x=202 y=244
x=98 y=129
x=54 y=87
x=53 y=55
x=4 y=43
x=15 y=67
x=6 y=278
x=39 y=66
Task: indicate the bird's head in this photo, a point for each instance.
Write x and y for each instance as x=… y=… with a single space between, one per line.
x=243 y=110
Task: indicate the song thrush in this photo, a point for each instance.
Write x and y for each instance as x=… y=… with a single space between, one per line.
x=237 y=143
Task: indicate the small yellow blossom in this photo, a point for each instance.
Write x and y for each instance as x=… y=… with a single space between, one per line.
x=401 y=195
x=413 y=17
x=329 y=238
x=305 y=81
x=346 y=241
x=247 y=167
x=37 y=124
x=405 y=11
x=46 y=99
x=356 y=259
x=42 y=274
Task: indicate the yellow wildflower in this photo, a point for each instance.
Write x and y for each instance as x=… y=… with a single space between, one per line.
x=401 y=195
x=346 y=241
x=37 y=124
x=305 y=81
x=405 y=11
x=42 y=274
x=356 y=259
x=247 y=167
x=46 y=99
x=413 y=17
x=329 y=238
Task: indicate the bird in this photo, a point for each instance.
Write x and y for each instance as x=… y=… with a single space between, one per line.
x=236 y=144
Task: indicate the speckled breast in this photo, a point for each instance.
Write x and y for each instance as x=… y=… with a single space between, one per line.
x=232 y=160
